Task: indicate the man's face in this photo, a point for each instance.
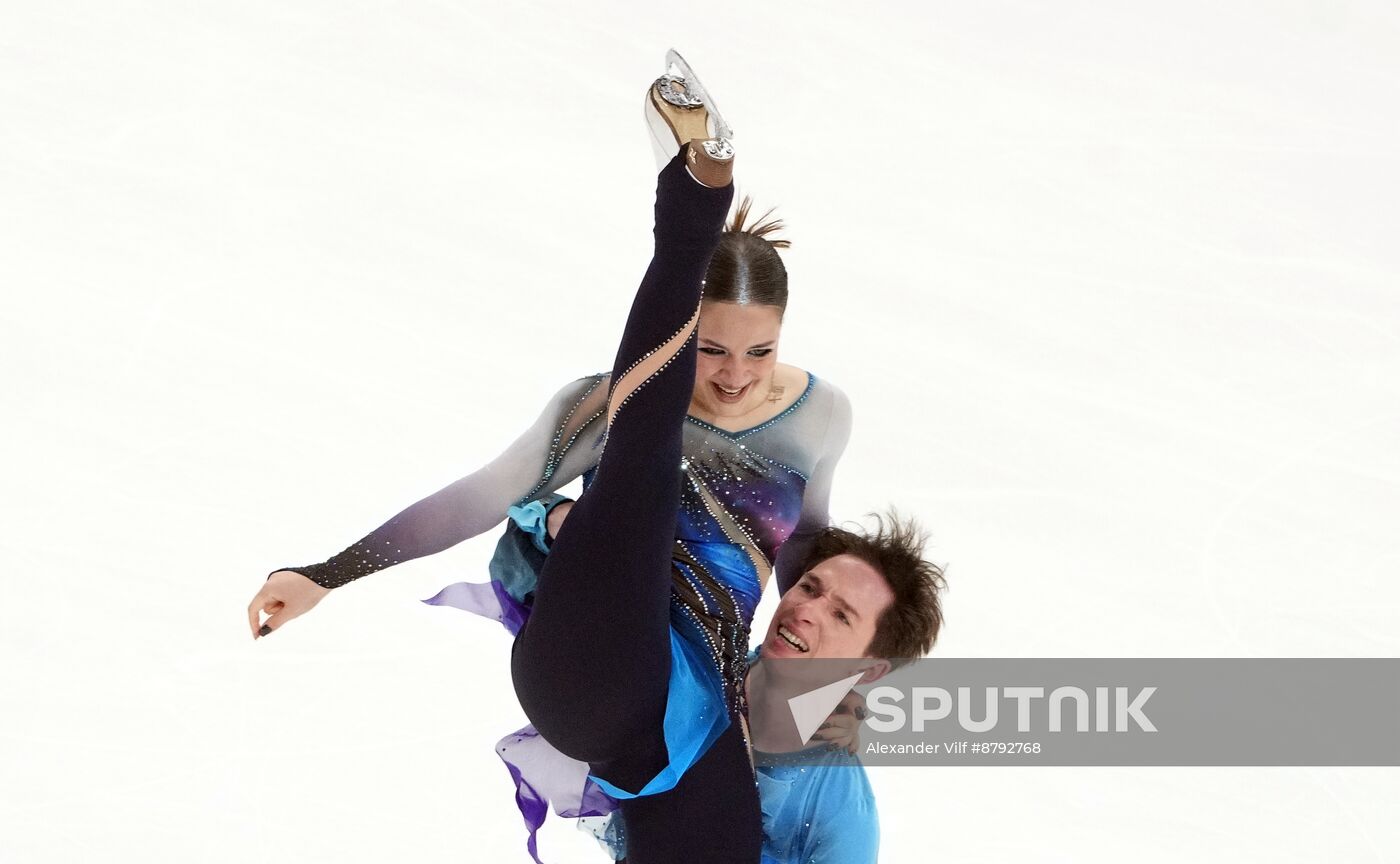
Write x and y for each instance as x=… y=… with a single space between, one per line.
x=830 y=613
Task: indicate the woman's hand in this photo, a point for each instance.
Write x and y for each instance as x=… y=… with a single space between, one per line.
x=285 y=595
x=841 y=730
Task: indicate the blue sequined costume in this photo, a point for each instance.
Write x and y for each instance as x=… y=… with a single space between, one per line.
x=751 y=503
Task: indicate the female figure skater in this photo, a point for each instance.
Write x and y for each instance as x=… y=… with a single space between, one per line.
x=634 y=651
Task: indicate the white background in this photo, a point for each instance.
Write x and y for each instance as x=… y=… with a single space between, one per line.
x=1108 y=285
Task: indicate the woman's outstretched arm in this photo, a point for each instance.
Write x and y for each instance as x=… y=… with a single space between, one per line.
x=562 y=443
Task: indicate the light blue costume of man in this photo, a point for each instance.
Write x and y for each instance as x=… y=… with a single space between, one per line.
x=818 y=807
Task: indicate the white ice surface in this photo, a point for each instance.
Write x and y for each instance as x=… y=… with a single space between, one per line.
x=1107 y=283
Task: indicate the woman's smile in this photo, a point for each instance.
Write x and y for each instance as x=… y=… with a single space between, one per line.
x=730 y=396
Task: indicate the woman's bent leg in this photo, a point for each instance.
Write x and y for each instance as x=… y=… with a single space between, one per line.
x=591 y=665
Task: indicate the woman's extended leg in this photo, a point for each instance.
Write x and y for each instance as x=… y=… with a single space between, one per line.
x=592 y=664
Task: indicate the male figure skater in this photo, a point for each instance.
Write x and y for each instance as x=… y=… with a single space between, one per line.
x=865 y=603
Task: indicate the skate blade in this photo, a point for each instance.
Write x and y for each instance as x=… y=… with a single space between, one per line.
x=721 y=129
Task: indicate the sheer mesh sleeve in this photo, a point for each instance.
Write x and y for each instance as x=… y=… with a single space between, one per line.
x=564 y=442
x=817 y=497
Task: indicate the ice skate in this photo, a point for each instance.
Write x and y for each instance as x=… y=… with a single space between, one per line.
x=679 y=110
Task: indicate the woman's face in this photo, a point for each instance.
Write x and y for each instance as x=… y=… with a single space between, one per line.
x=738 y=351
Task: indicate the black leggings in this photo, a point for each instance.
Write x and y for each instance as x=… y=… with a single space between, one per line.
x=592 y=665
